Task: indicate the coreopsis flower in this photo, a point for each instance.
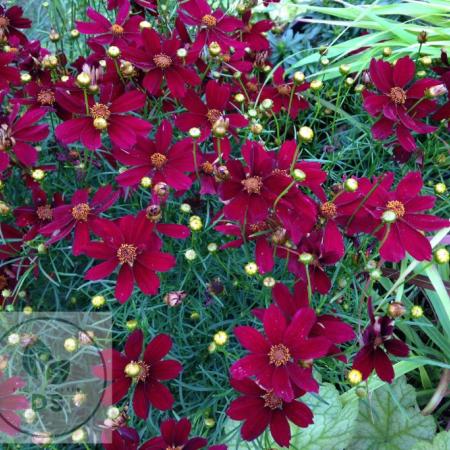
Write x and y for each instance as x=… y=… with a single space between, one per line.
x=286 y=95
x=253 y=33
x=320 y=248
x=131 y=245
x=124 y=31
x=326 y=325
x=249 y=192
x=400 y=215
x=37 y=215
x=10 y=402
x=444 y=73
x=140 y=368
x=8 y=74
x=106 y=116
x=274 y=357
x=160 y=59
x=378 y=339
x=11 y=21
x=78 y=216
x=206 y=115
x=158 y=159
x=16 y=135
x=174 y=435
x=215 y=26
x=261 y=409
x=399 y=103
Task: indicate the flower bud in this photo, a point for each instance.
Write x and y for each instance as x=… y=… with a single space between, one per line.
x=222 y=173
x=182 y=53
x=74 y=34
x=306 y=134
x=71 y=345
x=239 y=98
x=161 y=189
x=29 y=415
x=212 y=247
x=269 y=282
x=190 y=254
x=132 y=369
x=209 y=422
x=316 y=85
x=299 y=78
x=100 y=123
x=25 y=77
x=185 y=208
x=194 y=133
x=349 y=81
x=354 y=377
x=299 y=175
x=83 y=79
x=267 y=104
x=38 y=174
x=436 y=91
x=422 y=37
x=389 y=216
x=440 y=188
x=146 y=182
x=220 y=338
x=306 y=258
x=174 y=298
x=441 y=256
x=113 y=51
x=214 y=49
x=144 y=25
x=131 y=324
x=421 y=74
x=359 y=88
x=416 y=312
x=324 y=61
x=251 y=268
x=376 y=274
x=153 y=213
x=426 y=61
x=351 y=185
x=396 y=310
x=54 y=36
x=387 y=51
x=256 y=128
x=98 y=301
x=79 y=398
x=344 y=69
x=195 y=223
x=4 y=209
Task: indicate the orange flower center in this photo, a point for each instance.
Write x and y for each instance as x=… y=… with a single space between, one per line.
x=100 y=111
x=284 y=89
x=162 y=61
x=158 y=160
x=272 y=401
x=208 y=168
x=328 y=210
x=279 y=355
x=46 y=97
x=396 y=206
x=117 y=29
x=44 y=212
x=127 y=254
x=209 y=21
x=213 y=115
x=252 y=185
x=81 y=212
x=4 y=22
x=397 y=95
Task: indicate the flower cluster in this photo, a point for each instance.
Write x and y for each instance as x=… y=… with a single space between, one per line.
x=94 y=153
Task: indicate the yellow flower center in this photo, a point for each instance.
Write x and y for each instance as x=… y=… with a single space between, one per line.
x=46 y=97
x=81 y=212
x=272 y=401
x=4 y=22
x=44 y=212
x=100 y=111
x=396 y=206
x=279 y=355
x=252 y=185
x=213 y=115
x=328 y=210
x=117 y=29
x=209 y=21
x=397 y=95
x=138 y=370
x=162 y=61
x=127 y=254
x=158 y=160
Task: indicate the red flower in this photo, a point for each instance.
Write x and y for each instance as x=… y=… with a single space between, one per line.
x=8 y=74
x=160 y=60
x=11 y=20
x=144 y=371
x=253 y=33
x=285 y=95
x=274 y=358
x=379 y=335
x=10 y=403
x=37 y=215
x=174 y=436
x=401 y=106
x=215 y=26
x=399 y=213
x=104 y=116
x=158 y=159
x=16 y=134
x=78 y=216
x=206 y=115
x=130 y=244
x=260 y=409
x=250 y=192
x=124 y=31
